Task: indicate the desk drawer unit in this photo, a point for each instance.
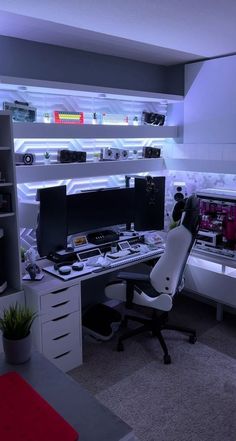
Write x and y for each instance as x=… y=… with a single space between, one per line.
x=59 y=303
x=61 y=341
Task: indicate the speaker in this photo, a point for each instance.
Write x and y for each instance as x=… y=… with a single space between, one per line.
x=180 y=191
x=71 y=156
x=24 y=158
x=151 y=152
x=51 y=231
x=149 y=203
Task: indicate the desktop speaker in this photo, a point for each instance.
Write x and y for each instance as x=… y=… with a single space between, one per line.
x=179 y=192
x=149 y=203
x=66 y=156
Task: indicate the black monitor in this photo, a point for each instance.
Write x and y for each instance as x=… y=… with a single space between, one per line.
x=91 y=210
x=51 y=231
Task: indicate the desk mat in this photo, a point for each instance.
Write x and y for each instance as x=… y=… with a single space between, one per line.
x=25 y=415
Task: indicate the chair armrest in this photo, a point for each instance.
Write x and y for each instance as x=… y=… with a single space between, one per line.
x=135 y=277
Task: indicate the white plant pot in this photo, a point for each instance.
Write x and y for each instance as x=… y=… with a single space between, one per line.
x=17 y=351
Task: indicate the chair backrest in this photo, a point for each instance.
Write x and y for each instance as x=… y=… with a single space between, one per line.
x=166 y=276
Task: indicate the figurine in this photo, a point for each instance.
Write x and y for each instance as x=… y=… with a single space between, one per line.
x=32 y=268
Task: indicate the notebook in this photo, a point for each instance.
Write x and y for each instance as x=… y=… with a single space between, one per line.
x=25 y=415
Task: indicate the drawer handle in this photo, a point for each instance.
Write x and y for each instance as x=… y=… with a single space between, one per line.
x=60 y=304
x=60 y=318
x=61 y=336
x=59 y=290
x=62 y=355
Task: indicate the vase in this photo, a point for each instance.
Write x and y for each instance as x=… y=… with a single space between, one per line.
x=17 y=351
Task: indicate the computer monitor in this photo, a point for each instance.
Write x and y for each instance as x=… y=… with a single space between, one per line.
x=91 y=210
x=51 y=231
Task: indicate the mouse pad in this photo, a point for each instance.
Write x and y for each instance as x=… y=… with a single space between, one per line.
x=25 y=415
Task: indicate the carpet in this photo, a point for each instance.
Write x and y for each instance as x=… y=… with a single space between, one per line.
x=193 y=399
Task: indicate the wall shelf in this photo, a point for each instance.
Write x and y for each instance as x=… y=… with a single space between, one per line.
x=6 y=184
x=2 y=149
x=200 y=165
x=73 y=131
x=83 y=90
x=6 y=214
x=37 y=173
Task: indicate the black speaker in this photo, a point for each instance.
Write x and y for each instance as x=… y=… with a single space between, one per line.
x=151 y=152
x=51 y=231
x=24 y=158
x=71 y=156
x=149 y=203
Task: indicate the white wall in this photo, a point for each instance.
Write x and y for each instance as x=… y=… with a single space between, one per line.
x=210 y=101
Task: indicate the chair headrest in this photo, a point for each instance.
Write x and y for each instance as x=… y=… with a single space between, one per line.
x=191 y=214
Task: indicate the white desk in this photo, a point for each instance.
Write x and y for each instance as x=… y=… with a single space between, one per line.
x=57 y=330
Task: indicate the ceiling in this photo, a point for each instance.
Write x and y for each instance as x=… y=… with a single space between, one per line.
x=160 y=32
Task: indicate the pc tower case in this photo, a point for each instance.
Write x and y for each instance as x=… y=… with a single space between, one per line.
x=149 y=203
x=217 y=231
x=3 y=283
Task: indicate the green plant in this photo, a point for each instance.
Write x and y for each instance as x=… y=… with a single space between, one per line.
x=46 y=155
x=16 y=321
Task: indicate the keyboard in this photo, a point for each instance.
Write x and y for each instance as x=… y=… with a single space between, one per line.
x=136 y=257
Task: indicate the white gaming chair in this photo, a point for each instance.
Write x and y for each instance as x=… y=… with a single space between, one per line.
x=157 y=289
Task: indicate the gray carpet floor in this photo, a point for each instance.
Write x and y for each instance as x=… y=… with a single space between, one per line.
x=193 y=399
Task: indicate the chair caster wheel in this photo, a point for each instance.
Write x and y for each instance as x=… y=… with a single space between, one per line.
x=167 y=359
x=120 y=346
x=192 y=339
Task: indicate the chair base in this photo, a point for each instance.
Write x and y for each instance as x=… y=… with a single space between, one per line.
x=155 y=326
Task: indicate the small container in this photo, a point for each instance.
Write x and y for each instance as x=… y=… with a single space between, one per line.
x=46 y=118
x=135 y=121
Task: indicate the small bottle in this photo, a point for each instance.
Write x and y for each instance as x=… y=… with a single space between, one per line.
x=135 y=121
x=94 y=121
x=46 y=118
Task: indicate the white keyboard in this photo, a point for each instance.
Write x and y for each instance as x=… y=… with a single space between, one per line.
x=136 y=257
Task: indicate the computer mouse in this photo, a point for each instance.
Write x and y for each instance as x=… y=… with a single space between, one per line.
x=77 y=266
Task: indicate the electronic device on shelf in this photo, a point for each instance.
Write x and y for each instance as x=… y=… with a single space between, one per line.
x=24 y=158
x=84 y=255
x=151 y=152
x=61 y=117
x=110 y=154
x=21 y=111
x=66 y=156
x=217 y=232
x=124 y=245
x=100 y=237
x=154 y=119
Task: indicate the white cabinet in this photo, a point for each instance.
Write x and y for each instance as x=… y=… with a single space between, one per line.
x=57 y=329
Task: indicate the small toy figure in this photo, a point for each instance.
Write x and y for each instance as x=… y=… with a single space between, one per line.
x=32 y=268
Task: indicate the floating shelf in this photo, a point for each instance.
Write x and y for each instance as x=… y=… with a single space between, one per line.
x=6 y=214
x=6 y=184
x=200 y=165
x=36 y=173
x=75 y=131
x=4 y=148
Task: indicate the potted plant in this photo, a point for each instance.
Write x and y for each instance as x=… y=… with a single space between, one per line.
x=135 y=154
x=15 y=324
x=47 y=158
